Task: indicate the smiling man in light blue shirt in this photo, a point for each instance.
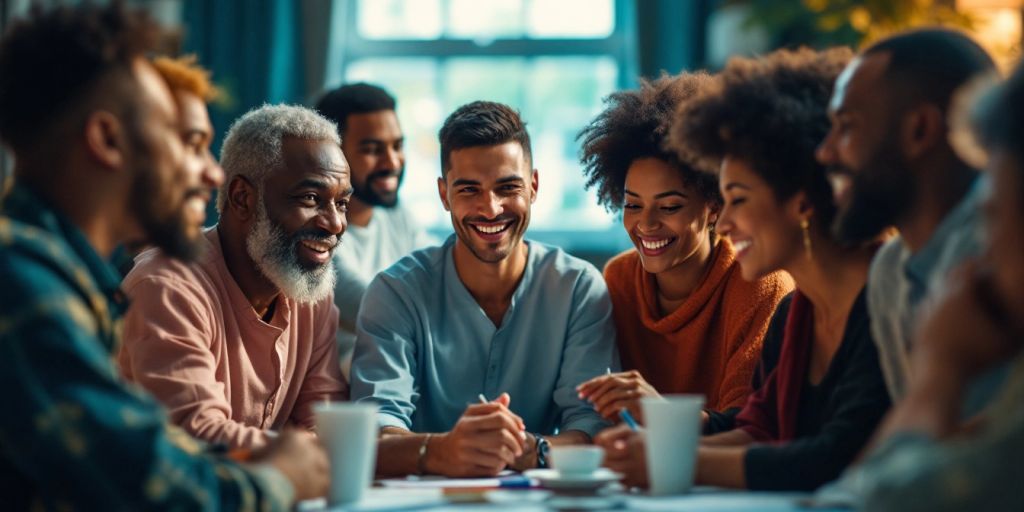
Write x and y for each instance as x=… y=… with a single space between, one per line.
x=486 y=313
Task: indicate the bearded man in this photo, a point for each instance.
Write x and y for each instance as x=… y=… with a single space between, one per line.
x=242 y=343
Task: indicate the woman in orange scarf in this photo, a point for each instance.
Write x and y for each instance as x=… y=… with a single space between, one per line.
x=686 y=320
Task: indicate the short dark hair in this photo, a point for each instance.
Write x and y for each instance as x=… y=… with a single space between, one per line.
x=635 y=125
x=772 y=113
x=482 y=123
x=349 y=99
x=52 y=61
x=932 y=63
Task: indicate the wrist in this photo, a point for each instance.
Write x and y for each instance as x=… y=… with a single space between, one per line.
x=433 y=454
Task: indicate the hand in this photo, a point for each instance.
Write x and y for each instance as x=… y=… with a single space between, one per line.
x=624 y=453
x=615 y=391
x=301 y=459
x=487 y=438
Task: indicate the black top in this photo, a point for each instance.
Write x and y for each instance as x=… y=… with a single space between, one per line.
x=836 y=417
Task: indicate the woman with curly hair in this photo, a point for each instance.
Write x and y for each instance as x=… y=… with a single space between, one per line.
x=686 y=321
x=823 y=392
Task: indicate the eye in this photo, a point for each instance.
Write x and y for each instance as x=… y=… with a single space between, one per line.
x=342 y=205
x=671 y=208
x=467 y=190
x=737 y=200
x=308 y=199
x=630 y=206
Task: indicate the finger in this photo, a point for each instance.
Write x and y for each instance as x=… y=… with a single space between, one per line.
x=609 y=435
x=482 y=459
x=623 y=394
x=497 y=442
x=504 y=399
x=613 y=409
x=482 y=409
x=589 y=386
x=608 y=385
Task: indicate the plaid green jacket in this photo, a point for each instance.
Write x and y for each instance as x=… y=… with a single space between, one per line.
x=73 y=435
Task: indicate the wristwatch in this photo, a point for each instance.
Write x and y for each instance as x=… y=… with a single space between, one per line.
x=543 y=448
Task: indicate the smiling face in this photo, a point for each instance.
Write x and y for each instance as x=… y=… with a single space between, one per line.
x=764 y=231
x=489 y=190
x=667 y=221
x=300 y=219
x=373 y=142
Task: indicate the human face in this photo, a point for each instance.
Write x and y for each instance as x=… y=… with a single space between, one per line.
x=489 y=190
x=764 y=231
x=1004 y=215
x=373 y=143
x=166 y=188
x=666 y=220
x=202 y=171
x=871 y=181
x=300 y=219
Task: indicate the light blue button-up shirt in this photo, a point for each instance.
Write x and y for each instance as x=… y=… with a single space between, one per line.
x=425 y=349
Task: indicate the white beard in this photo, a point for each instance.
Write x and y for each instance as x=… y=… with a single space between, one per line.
x=269 y=248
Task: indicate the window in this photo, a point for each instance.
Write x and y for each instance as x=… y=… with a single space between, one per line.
x=554 y=61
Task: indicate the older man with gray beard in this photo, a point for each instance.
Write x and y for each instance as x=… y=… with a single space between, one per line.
x=241 y=343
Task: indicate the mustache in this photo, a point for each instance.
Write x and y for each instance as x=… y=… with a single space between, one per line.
x=317 y=235
x=485 y=220
x=383 y=174
x=838 y=170
x=200 y=192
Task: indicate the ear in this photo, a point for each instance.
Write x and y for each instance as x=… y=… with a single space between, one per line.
x=534 y=185
x=799 y=207
x=104 y=139
x=714 y=209
x=242 y=198
x=442 y=192
x=923 y=128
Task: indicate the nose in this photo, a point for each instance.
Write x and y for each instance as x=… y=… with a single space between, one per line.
x=724 y=225
x=393 y=158
x=649 y=220
x=491 y=205
x=333 y=220
x=825 y=152
x=213 y=173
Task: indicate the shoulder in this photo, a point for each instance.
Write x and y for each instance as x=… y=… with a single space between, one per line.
x=153 y=267
x=620 y=271
x=888 y=258
x=554 y=263
x=417 y=269
x=34 y=261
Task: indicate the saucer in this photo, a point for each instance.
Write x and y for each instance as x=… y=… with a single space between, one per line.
x=553 y=479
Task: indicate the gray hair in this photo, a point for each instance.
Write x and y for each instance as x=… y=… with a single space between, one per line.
x=252 y=147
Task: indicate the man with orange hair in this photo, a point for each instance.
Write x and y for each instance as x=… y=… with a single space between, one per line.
x=233 y=354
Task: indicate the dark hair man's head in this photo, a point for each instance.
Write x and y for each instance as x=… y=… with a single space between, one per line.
x=372 y=141
x=889 y=126
x=89 y=120
x=488 y=183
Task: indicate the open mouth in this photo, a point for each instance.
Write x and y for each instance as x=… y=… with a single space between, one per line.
x=655 y=246
x=493 y=231
x=741 y=247
x=316 y=251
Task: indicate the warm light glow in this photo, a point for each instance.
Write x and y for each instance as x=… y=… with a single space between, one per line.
x=998 y=27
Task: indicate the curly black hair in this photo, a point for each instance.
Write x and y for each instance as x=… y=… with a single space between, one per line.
x=771 y=112
x=635 y=125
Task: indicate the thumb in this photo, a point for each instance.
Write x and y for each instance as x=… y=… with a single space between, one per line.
x=504 y=399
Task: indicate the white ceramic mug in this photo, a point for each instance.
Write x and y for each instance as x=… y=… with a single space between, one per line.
x=576 y=459
x=349 y=433
x=673 y=428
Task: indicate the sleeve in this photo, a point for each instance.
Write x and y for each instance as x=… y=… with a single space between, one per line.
x=167 y=334
x=322 y=381
x=589 y=351
x=83 y=438
x=348 y=294
x=860 y=399
x=912 y=472
x=746 y=332
x=384 y=363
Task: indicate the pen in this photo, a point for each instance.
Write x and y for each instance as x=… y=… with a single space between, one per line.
x=628 y=418
x=483 y=399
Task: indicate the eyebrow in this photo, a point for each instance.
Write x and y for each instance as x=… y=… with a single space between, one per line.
x=372 y=141
x=311 y=183
x=732 y=185
x=500 y=181
x=658 y=196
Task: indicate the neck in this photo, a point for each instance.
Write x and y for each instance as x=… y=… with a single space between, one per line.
x=490 y=282
x=678 y=282
x=359 y=213
x=832 y=279
x=260 y=292
x=101 y=214
x=936 y=197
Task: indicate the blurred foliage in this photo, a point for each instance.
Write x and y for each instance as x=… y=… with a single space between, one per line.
x=822 y=23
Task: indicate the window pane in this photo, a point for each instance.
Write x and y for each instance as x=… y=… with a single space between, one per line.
x=399 y=19
x=584 y=19
x=557 y=96
x=485 y=19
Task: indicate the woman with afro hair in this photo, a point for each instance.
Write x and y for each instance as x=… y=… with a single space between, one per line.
x=823 y=392
x=686 y=320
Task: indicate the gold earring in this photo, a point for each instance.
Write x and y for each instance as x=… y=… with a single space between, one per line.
x=805 y=225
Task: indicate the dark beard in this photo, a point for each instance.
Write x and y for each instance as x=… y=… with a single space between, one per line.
x=365 y=193
x=880 y=195
x=165 y=229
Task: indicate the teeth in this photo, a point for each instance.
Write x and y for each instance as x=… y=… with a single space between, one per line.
x=741 y=245
x=318 y=247
x=656 y=244
x=490 y=230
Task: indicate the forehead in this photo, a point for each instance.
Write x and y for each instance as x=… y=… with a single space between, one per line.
x=860 y=85
x=192 y=112
x=154 y=91
x=305 y=159
x=653 y=174
x=382 y=124
x=487 y=163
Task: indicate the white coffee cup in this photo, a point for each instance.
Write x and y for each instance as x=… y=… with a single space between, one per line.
x=673 y=426
x=576 y=459
x=349 y=433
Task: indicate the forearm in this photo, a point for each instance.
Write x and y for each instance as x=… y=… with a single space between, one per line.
x=529 y=458
x=721 y=466
x=398 y=453
x=734 y=437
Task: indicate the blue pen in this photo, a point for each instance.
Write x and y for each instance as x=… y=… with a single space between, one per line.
x=628 y=418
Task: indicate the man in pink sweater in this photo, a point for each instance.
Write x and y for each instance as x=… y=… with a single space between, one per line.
x=241 y=343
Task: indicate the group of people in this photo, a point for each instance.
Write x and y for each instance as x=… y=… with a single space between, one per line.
x=816 y=253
